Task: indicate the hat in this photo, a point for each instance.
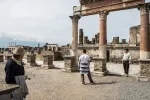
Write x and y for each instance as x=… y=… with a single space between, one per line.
x=19 y=51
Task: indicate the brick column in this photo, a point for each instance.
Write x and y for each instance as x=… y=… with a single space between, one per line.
x=144 y=42
x=103 y=34
x=74 y=52
x=85 y=40
x=144 y=32
x=81 y=34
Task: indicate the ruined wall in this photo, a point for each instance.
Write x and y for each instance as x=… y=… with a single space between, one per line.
x=134 y=35
x=115 y=52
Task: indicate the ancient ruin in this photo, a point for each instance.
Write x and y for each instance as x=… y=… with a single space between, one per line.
x=104 y=50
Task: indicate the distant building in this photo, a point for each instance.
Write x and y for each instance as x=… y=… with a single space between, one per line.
x=52 y=47
x=12 y=48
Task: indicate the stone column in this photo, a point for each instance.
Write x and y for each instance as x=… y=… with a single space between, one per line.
x=31 y=59
x=96 y=38
x=115 y=40
x=85 y=40
x=93 y=40
x=103 y=34
x=100 y=62
x=144 y=41
x=74 y=52
x=1 y=58
x=144 y=32
x=48 y=61
x=124 y=41
x=81 y=34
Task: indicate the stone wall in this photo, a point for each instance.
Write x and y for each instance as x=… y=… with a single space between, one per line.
x=115 y=53
x=134 y=35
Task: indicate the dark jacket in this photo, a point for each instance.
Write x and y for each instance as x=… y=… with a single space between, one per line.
x=12 y=69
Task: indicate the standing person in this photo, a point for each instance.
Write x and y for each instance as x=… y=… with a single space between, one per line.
x=84 y=63
x=15 y=72
x=126 y=61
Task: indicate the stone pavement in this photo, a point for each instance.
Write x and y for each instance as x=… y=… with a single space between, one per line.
x=54 y=84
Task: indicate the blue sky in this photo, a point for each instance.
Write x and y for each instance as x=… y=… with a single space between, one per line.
x=48 y=21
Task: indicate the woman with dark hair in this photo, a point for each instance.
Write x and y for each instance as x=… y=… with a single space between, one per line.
x=15 y=72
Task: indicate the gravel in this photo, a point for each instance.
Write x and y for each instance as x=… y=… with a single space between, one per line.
x=54 y=84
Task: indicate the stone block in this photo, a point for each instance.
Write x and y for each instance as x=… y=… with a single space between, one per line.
x=100 y=66
x=69 y=63
x=145 y=67
x=8 y=56
x=48 y=61
x=143 y=79
x=6 y=90
x=31 y=59
x=1 y=58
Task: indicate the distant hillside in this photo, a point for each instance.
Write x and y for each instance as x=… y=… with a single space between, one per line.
x=4 y=42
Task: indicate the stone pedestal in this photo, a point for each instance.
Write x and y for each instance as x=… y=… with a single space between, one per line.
x=48 y=62
x=69 y=63
x=31 y=59
x=6 y=90
x=100 y=67
x=8 y=56
x=145 y=69
x=1 y=58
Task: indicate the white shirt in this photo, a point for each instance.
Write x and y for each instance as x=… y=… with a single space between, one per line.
x=126 y=57
x=84 y=58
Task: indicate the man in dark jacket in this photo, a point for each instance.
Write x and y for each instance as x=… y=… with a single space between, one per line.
x=14 y=70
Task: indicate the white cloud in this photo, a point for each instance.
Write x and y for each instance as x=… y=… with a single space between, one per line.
x=48 y=20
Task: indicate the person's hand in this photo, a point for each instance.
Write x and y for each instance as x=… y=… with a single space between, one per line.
x=129 y=62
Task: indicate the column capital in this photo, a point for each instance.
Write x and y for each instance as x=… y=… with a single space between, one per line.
x=144 y=8
x=75 y=18
x=103 y=14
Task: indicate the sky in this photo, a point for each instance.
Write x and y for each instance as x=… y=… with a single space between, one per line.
x=48 y=21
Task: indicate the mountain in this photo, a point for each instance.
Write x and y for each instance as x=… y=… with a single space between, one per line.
x=4 y=42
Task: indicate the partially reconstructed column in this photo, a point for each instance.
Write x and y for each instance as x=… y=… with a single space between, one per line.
x=144 y=32
x=124 y=41
x=93 y=40
x=100 y=62
x=85 y=39
x=74 y=52
x=144 y=41
x=81 y=34
x=103 y=34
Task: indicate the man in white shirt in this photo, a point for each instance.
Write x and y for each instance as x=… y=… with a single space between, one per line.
x=84 y=63
x=126 y=61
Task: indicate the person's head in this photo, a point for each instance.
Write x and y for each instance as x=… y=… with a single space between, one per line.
x=126 y=50
x=18 y=53
x=84 y=51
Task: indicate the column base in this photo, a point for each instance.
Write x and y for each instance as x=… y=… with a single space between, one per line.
x=69 y=63
x=97 y=73
x=71 y=70
x=143 y=79
x=100 y=67
x=145 y=69
x=48 y=66
x=32 y=64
